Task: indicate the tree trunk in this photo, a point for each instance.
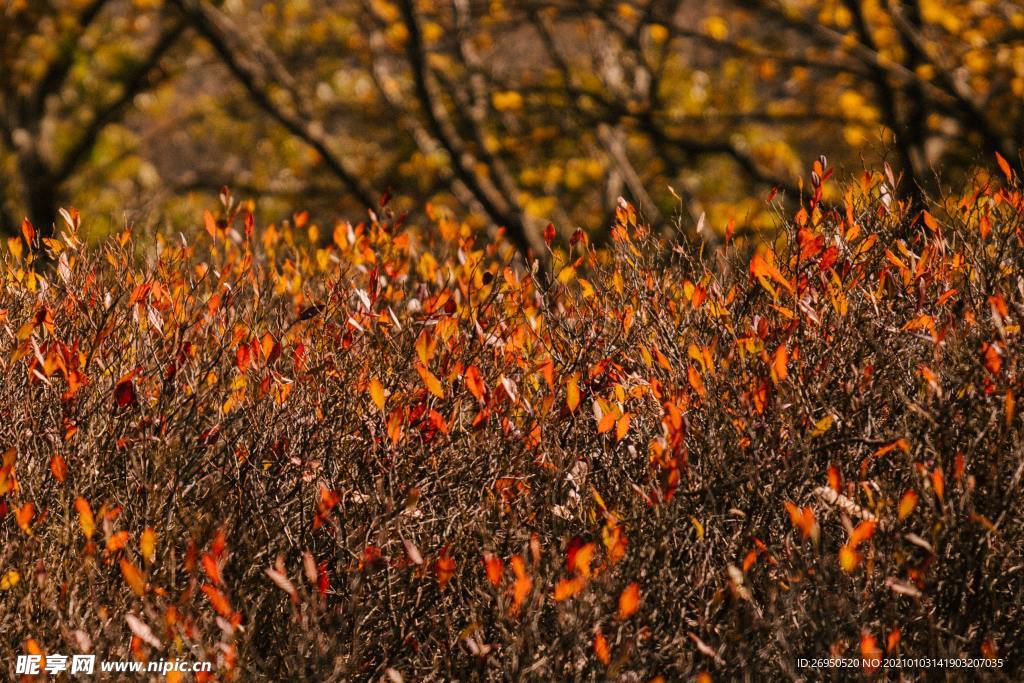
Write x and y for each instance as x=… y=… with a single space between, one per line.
x=40 y=193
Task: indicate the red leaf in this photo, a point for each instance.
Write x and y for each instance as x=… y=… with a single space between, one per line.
x=124 y=394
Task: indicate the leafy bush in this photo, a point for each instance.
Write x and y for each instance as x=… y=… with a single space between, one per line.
x=388 y=451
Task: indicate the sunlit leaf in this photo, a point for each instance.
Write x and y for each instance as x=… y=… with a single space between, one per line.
x=629 y=601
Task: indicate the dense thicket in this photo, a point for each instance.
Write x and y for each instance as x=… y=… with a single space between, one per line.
x=389 y=449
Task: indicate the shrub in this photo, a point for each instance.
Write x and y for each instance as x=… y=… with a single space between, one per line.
x=392 y=452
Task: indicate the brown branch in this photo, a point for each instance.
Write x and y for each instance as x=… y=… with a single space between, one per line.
x=57 y=71
x=494 y=205
x=135 y=82
x=249 y=73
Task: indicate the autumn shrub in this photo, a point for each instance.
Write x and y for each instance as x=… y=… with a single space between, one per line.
x=394 y=450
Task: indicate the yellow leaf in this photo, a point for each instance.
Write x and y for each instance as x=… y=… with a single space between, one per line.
x=572 y=392
x=430 y=380
x=509 y=100
x=716 y=27
x=147 y=544
x=377 y=393
x=699 y=527
x=9 y=580
x=822 y=426
x=848 y=558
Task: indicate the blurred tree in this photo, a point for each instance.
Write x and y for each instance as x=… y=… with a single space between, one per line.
x=68 y=71
x=522 y=112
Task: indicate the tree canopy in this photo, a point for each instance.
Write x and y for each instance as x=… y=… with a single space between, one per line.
x=521 y=114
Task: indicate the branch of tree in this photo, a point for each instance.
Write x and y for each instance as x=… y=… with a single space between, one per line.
x=136 y=80
x=248 y=72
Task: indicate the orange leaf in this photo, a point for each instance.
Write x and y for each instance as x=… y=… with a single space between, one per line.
x=869 y=647
x=430 y=380
x=907 y=503
x=566 y=588
x=629 y=601
x=210 y=223
x=892 y=641
x=696 y=381
x=243 y=356
x=28 y=231
x=803 y=519
x=494 y=567
x=863 y=532
x=749 y=560
x=764 y=267
x=601 y=649
x=328 y=499
x=779 y=361
x=622 y=427
x=523 y=584
x=759 y=392
x=474 y=382
x=580 y=557
x=835 y=479
x=900 y=443
x=23 y=516
x=85 y=518
x=614 y=540
x=117 y=541
x=59 y=468
x=218 y=600
x=939 y=483
x=211 y=568
x=444 y=567
x=133 y=577
x=1004 y=166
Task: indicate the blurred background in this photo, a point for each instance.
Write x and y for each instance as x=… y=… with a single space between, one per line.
x=511 y=113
